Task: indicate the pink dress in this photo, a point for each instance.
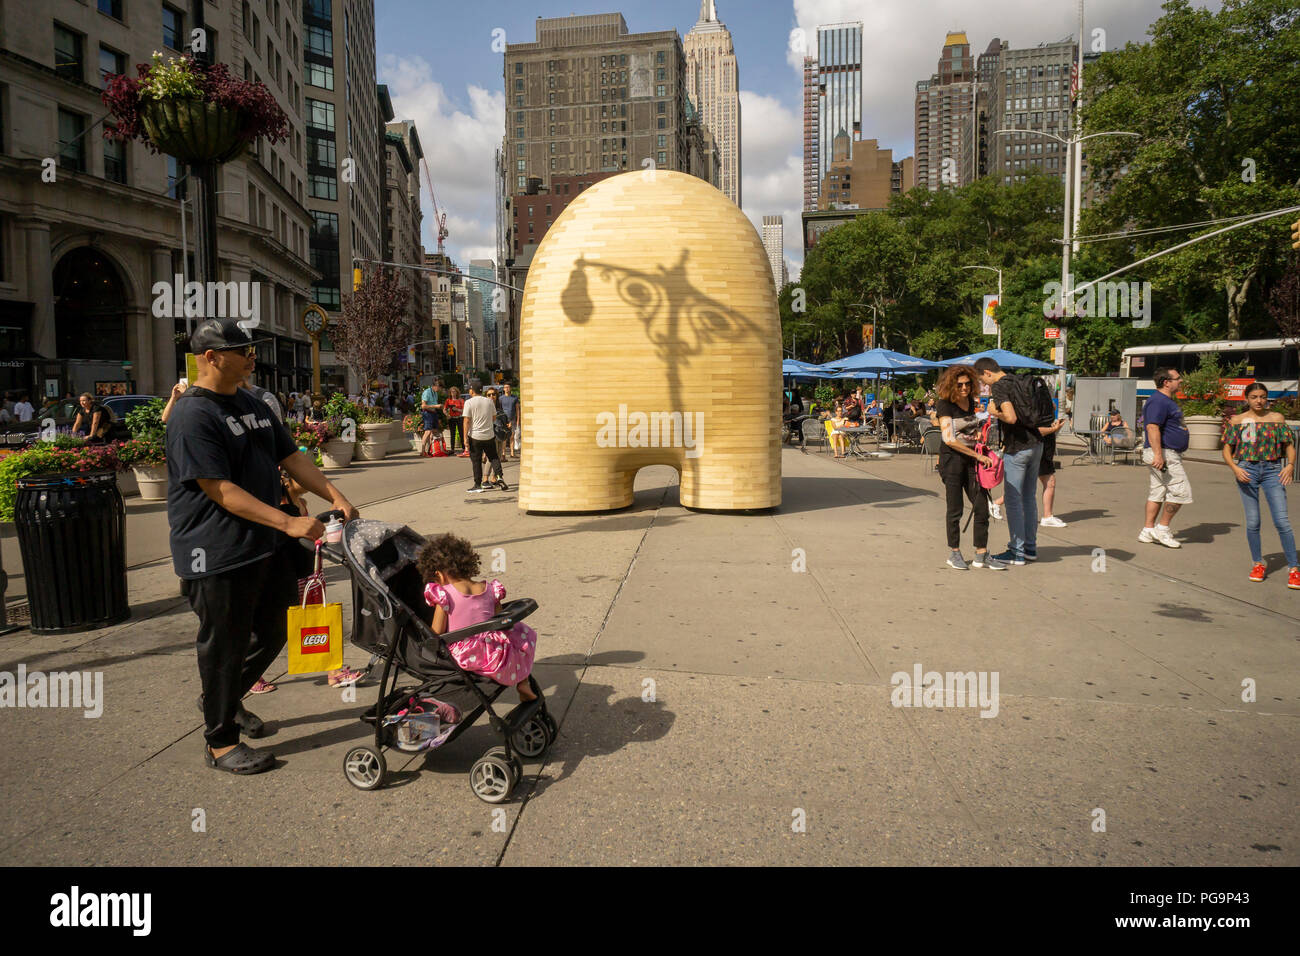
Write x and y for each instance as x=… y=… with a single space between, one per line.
x=504 y=656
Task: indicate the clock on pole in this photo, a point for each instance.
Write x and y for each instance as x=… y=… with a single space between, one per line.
x=314 y=321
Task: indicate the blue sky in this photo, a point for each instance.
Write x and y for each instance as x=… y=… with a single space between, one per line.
x=436 y=56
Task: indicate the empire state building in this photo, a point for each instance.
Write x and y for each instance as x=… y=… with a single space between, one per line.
x=713 y=85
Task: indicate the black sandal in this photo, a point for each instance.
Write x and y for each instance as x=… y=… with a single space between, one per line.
x=242 y=760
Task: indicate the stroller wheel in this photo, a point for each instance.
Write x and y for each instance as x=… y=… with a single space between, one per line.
x=516 y=765
x=532 y=739
x=365 y=768
x=492 y=778
x=551 y=725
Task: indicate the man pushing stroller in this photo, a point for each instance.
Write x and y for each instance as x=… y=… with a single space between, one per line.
x=224 y=454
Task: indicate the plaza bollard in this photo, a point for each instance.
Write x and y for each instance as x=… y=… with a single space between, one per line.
x=72 y=536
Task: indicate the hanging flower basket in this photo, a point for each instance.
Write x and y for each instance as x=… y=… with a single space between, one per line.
x=197 y=112
x=193 y=131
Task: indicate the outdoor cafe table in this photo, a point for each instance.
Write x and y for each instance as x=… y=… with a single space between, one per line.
x=856 y=436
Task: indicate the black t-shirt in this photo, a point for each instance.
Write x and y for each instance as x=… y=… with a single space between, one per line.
x=88 y=416
x=965 y=428
x=234 y=437
x=1019 y=436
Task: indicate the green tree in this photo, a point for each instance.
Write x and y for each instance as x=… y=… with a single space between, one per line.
x=1213 y=97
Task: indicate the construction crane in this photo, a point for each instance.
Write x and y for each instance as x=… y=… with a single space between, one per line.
x=439 y=218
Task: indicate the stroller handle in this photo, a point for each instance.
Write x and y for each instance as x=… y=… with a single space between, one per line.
x=512 y=612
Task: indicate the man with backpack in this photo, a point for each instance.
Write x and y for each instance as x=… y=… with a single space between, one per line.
x=1025 y=410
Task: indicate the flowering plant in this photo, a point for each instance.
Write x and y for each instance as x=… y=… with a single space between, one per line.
x=45 y=458
x=413 y=423
x=146 y=452
x=310 y=435
x=183 y=78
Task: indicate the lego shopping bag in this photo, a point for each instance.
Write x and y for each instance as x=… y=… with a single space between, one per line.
x=315 y=630
x=315 y=638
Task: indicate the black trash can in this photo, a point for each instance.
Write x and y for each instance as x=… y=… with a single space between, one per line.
x=72 y=536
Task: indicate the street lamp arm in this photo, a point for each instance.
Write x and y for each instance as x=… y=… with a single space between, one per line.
x=1116 y=132
x=1034 y=132
x=1182 y=245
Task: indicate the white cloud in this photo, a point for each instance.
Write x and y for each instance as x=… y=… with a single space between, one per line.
x=458 y=147
x=771 y=139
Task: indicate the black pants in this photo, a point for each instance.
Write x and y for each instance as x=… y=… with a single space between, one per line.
x=242 y=627
x=453 y=426
x=959 y=478
x=477 y=449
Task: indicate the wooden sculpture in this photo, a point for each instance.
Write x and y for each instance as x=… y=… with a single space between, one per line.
x=649 y=335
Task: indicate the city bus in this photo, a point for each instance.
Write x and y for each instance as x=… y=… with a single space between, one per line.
x=1270 y=361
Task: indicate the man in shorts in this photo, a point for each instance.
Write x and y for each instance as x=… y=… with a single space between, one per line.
x=431 y=417
x=1165 y=442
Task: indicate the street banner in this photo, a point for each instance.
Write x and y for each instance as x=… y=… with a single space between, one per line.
x=990 y=322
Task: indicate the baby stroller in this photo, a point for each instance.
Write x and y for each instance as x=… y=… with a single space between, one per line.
x=392 y=622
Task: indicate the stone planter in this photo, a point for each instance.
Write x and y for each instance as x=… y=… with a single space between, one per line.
x=373 y=445
x=1204 y=432
x=336 y=453
x=193 y=131
x=415 y=445
x=152 y=481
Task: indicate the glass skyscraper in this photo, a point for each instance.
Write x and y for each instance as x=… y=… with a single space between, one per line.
x=839 y=67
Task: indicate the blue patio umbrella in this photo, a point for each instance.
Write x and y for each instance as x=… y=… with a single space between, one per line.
x=881 y=360
x=1005 y=359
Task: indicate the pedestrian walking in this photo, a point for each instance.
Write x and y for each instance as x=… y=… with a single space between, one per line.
x=453 y=407
x=1260 y=449
x=23 y=408
x=224 y=454
x=1164 y=442
x=480 y=415
x=509 y=405
x=959 y=425
x=431 y=417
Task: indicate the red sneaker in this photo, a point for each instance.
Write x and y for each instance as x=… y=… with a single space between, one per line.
x=1293 y=579
x=1258 y=571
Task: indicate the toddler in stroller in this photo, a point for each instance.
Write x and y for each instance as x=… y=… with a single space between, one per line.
x=392 y=621
x=448 y=565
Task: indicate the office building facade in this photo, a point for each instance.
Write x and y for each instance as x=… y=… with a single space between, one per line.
x=811 y=164
x=81 y=252
x=774 y=245
x=943 y=105
x=839 y=88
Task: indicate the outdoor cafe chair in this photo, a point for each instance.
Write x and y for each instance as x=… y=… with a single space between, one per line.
x=814 y=431
x=931 y=442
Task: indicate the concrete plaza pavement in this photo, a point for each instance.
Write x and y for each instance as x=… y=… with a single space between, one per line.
x=723 y=684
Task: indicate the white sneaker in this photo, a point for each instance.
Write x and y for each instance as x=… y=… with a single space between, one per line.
x=995 y=511
x=1165 y=537
x=1053 y=522
x=1158 y=535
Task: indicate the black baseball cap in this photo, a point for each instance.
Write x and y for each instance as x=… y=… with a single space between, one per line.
x=220 y=334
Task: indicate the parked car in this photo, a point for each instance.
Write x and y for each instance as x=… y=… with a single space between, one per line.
x=64 y=413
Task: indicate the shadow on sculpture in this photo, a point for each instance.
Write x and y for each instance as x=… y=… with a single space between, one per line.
x=680 y=321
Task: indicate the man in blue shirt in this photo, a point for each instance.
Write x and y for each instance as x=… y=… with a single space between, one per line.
x=431 y=417
x=509 y=405
x=1165 y=442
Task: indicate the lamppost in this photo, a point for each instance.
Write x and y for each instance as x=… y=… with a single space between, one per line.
x=1073 y=186
x=999 y=305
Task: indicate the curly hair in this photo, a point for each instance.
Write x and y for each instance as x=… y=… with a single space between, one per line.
x=453 y=556
x=947 y=387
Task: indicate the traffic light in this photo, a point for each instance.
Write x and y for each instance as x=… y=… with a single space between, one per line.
x=1295 y=234
x=356 y=280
